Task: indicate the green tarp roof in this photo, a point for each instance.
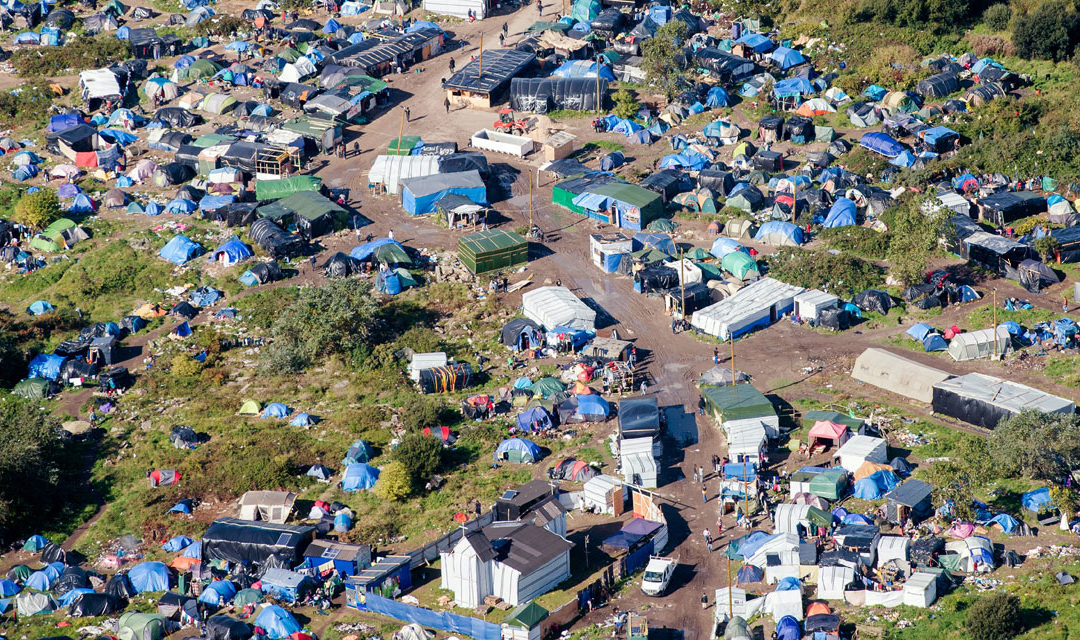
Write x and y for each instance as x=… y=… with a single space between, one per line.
x=710 y=271
x=491 y=240
x=406 y=145
x=211 y=139
x=307 y=204
x=549 y=26
x=526 y=615
x=54 y=230
x=374 y=85
x=273 y=189
x=640 y=197
x=828 y=484
x=810 y=417
x=738 y=402
x=738 y=264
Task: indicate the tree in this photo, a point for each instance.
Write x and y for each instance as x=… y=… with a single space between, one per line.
x=30 y=472
x=422 y=413
x=913 y=235
x=998 y=16
x=1065 y=499
x=1048 y=33
x=1047 y=246
x=1036 y=445
x=995 y=616
x=660 y=58
x=38 y=210
x=338 y=318
x=626 y=103
x=183 y=366
x=420 y=455
x=393 y=484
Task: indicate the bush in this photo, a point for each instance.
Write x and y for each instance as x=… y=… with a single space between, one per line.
x=221 y=26
x=997 y=17
x=859 y=241
x=420 y=455
x=840 y=274
x=184 y=366
x=39 y=209
x=1051 y=32
x=423 y=413
x=995 y=616
x=393 y=484
x=1037 y=446
x=30 y=473
x=77 y=54
x=626 y=103
x=28 y=106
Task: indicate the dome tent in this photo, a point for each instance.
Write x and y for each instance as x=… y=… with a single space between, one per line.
x=359 y=476
x=276 y=410
x=518 y=450
x=149 y=576
x=277 y=622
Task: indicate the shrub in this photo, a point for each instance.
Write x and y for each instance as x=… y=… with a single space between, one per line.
x=77 y=54
x=423 y=413
x=626 y=103
x=997 y=17
x=28 y=106
x=1047 y=247
x=420 y=455
x=39 y=209
x=221 y=26
x=394 y=484
x=839 y=274
x=994 y=617
x=184 y=366
x=859 y=241
x=30 y=456
x=1051 y=32
x=1036 y=445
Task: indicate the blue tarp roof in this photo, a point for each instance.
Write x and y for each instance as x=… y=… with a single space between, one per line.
x=881 y=143
x=592 y=405
x=1007 y=523
x=149 y=576
x=792 y=87
x=740 y=471
x=583 y=69
x=359 y=476
x=756 y=42
x=660 y=241
x=690 y=160
x=181 y=205
x=277 y=622
x=842 y=214
x=233 y=249
x=180 y=249
x=723 y=246
x=786 y=58
x=518 y=444
x=875 y=485
x=1036 y=499
x=779 y=227
x=218 y=593
x=363 y=251
x=919 y=331
x=45 y=365
x=176 y=543
x=276 y=410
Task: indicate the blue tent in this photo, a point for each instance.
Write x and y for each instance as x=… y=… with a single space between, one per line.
x=778 y=232
x=723 y=246
x=756 y=42
x=8 y=588
x=625 y=127
x=276 y=410
x=69 y=597
x=213 y=203
x=518 y=450
x=583 y=69
x=592 y=406
x=177 y=543
x=788 y=628
x=934 y=342
x=183 y=62
x=277 y=622
x=423 y=24
x=905 y=159
x=45 y=365
x=919 y=331
x=749 y=573
x=25 y=172
x=717 y=97
x=28 y=37
x=180 y=249
x=122 y=138
x=194 y=550
x=181 y=205
x=182 y=330
x=522 y=383
x=789 y=583
x=319 y=472
x=1007 y=523
x=1037 y=500
x=303 y=419
x=35 y=543
x=218 y=593
x=65 y=121
x=331 y=26
x=183 y=506
x=535 y=419
x=842 y=214
x=54 y=569
x=81 y=204
x=875 y=93
x=360 y=451
x=786 y=58
x=750 y=543
x=359 y=476
x=39 y=307
x=881 y=143
x=1013 y=328
x=792 y=87
x=342 y=521
x=149 y=576
x=692 y=160
x=875 y=485
x=231 y=251
x=612 y=161
x=38 y=581
x=364 y=251
x=855 y=518
x=647 y=240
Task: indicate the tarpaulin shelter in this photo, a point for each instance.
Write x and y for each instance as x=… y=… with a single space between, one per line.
x=40 y=307
x=149 y=576
x=873 y=300
x=225 y=628
x=95 y=605
x=740 y=265
x=985 y=400
x=164 y=477
x=277 y=622
x=551 y=307
x=786 y=58
x=881 y=143
x=779 y=233
x=45 y=366
x=841 y=214
x=420 y=195
x=518 y=450
x=263 y=544
x=180 y=249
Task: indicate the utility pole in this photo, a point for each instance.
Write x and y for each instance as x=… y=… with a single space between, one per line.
x=531 y=203
x=731 y=336
x=730 y=597
x=995 y=326
x=682 y=285
x=586 y=551
x=746 y=490
x=401 y=132
x=599 y=101
x=480 y=57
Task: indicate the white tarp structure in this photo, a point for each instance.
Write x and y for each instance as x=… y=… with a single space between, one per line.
x=982 y=399
x=552 y=307
x=745 y=439
x=779 y=544
x=598 y=493
x=389 y=171
x=903 y=376
x=100 y=84
x=896 y=548
x=784 y=603
x=787 y=517
x=422 y=361
x=297 y=71
x=832 y=580
x=637 y=462
x=979 y=344
x=458 y=8
x=868 y=598
x=920 y=590
x=976 y=554
x=858 y=449
x=267 y=506
x=809 y=304
x=689 y=273
x=734 y=604
x=758 y=304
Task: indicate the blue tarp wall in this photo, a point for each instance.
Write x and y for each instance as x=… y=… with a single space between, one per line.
x=441 y=620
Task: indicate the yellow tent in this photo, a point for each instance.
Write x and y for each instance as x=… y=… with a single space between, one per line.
x=250 y=408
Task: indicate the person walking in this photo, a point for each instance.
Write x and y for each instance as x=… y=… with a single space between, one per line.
x=390 y=234
x=643 y=387
x=452 y=61
x=719 y=526
x=704 y=601
x=356 y=148
x=704 y=494
x=701 y=406
x=446 y=104
x=505 y=29
x=695 y=473
x=408 y=116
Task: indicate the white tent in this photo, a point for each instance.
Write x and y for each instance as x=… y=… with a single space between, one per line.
x=832 y=580
x=976 y=554
x=858 y=449
x=894 y=548
x=297 y=71
x=389 y=171
x=746 y=439
x=784 y=603
x=787 y=568
x=758 y=304
x=638 y=464
x=457 y=8
x=979 y=344
x=787 y=517
x=552 y=307
x=598 y=493
x=689 y=273
x=770 y=422
x=268 y=506
x=99 y=83
x=778 y=545
x=809 y=304
x=903 y=376
x=920 y=590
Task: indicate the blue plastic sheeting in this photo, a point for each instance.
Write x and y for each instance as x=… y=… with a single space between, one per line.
x=717 y=97
x=661 y=15
x=881 y=143
x=786 y=58
x=38 y=581
x=788 y=628
x=612 y=161
x=578 y=337
x=419 y=195
x=194 y=550
x=723 y=246
x=181 y=205
x=45 y=365
x=752 y=543
x=876 y=485
x=855 y=518
x=535 y=419
x=905 y=160
x=660 y=241
x=934 y=342
x=359 y=476
x=388 y=282
x=303 y=420
x=692 y=161
x=25 y=172
x=28 y=37
x=874 y=92
x=1013 y=328
x=364 y=251
x=931 y=136
x=789 y=87
x=519 y=444
x=70 y=596
x=218 y=593
x=122 y=138
x=919 y=331
x=232 y=250
x=1007 y=523
x=756 y=42
x=39 y=307
x=34 y=544
x=743 y=471
x=342 y=522
x=277 y=622
x=842 y=214
x=8 y=588
x=625 y=127
x=54 y=569
x=180 y=249
x=149 y=576
x=592 y=405
x=176 y=544
x=331 y=26
x=749 y=573
x=205 y=296
x=775 y=230
x=182 y=330
x=423 y=24
x=583 y=69
x=789 y=583
x=276 y=410
x=213 y=203
x=441 y=620
x=65 y=121
x=522 y=383
x=1036 y=500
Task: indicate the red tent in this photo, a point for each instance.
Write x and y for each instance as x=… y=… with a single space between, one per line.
x=831 y=431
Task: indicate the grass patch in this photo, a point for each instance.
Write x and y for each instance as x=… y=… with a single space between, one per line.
x=606 y=145
x=983 y=316
x=560 y=115
x=1064 y=370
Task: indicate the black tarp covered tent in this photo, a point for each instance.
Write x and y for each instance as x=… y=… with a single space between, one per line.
x=994 y=252
x=939 y=85
x=226 y=628
x=1004 y=207
x=259 y=543
x=87 y=605
x=720 y=182
x=667 y=182
x=521 y=333
x=445 y=379
x=342 y=265
x=120 y=586
x=174 y=173
x=874 y=300
x=464 y=161
x=172 y=604
x=275 y=240
x=177 y=117
x=1034 y=275
x=540 y=95
x=656 y=277
x=639 y=418
x=266 y=272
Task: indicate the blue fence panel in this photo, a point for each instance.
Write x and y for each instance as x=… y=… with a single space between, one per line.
x=444 y=621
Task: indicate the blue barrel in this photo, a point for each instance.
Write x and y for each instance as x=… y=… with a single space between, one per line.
x=736 y=30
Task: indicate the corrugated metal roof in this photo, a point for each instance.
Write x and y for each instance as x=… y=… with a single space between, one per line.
x=499 y=65
x=1011 y=396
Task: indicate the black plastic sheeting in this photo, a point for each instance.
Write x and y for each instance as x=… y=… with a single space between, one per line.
x=269 y=546
x=639 y=418
x=609 y=20
x=266 y=272
x=657 y=277
x=446 y=379
x=873 y=300
x=465 y=161
x=967 y=409
x=667 y=182
x=721 y=182
x=341 y=265
x=834 y=319
x=172 y=604
x=71 y=578
x=120 y=586
x=923 y=550
x=53 y=553
x=177 y=173
x=177 y=117
x=540 y=95
x=939 y=85
x=88 y=605
x=275 y=240
x=226 y=628
x=76 y=368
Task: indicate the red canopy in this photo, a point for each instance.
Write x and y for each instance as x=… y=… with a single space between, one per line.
x=825 y=430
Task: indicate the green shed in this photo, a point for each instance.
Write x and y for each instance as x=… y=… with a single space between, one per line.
x=492 y=250
x=829 y=484
x=737 y=402
x=636 y=206
x=524 y=622
x=274 y=189
x=811 y=417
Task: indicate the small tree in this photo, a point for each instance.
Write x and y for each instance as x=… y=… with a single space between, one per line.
x=1064 y=499
x=913 y=235
x=420 y=455
x=1047 y=246
x=393 y=484
x=995 y=616
x=1048 y=33
x=38 y=210
x=183 y=366
x=421 y=414
x=662 y=69
x=626 y=103
x=998 y=16
x=1036 y=445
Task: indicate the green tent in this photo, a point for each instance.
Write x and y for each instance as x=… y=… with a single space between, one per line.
x=819 y=517
x=812 y=417
x=402 y=146
x=32 y=388
x=391 y=253
x=19 y=573
x=134 y=207
x=662 y=225
x=547 y=387
x=740 y=201
x=289 y=54
x=950 y=561
x=697 y=253
x=737 y=402
x=211 y=140
x=54 y=230
x=275 y=189
x=245 y=597
x=824 y=134
x=526 y=616
x=310 y=205
x=44 y=244
x=405 y=278
x=202 y=68
x=141 y=626
x=372 y=85
x=250 y=408
x=649 y=256
x=492 y=250
x=829 y=484
x=710 y=271
x=585 y=10
x=739 y=265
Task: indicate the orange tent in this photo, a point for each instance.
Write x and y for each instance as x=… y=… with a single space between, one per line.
x=817 y=608
x=183 y=564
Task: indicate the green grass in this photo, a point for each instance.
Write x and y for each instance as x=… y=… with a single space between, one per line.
x=560 y=115
x=1064 y=370
x=606 y=145
x=983 y=316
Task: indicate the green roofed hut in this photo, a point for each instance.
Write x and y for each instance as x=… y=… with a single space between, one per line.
x=492 y=250
x=402 y=146
x=313 y=213
x=524 y=622
x=625 y=205
x=829 y=484
x=733 y=404
x=276 y=189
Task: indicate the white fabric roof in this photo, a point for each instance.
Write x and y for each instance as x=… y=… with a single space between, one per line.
x=745 y=305
x=832 y=580
x=1011 y=396
x=553 y=307
x=892 y=372
x=979 y=344
x=860 y=448
x=99 y=83
x=892 y=548
x=391 y=170
x=784 y=603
